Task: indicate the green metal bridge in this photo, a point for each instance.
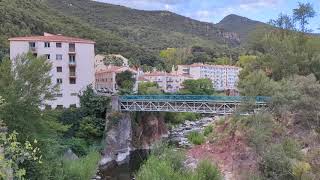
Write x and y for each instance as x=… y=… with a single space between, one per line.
x=221 y=105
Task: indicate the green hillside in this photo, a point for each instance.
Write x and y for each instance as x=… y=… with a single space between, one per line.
x=150 y=29
x=136 y=34
x=241 y=25
x=25 y=17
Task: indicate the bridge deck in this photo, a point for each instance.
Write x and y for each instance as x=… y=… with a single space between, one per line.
x=188 y=103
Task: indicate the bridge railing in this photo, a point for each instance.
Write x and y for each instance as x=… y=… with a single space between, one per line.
x=194 y=98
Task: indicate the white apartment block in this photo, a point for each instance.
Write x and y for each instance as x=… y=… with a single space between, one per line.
x=223 y=77
x=105 y=78
x=168 y=82
x=72 y=63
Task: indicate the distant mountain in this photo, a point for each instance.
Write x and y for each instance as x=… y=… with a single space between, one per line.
x=240 y=25
x=135 y=34
x=149 y=29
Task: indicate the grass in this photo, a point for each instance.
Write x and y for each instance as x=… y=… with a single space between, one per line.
x=208 y=130
x=83 y=168
x=196 y=138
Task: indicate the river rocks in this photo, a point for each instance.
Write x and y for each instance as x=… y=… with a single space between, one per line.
x=178 y=135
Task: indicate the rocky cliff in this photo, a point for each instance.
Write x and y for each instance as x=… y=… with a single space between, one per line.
x=126 y=132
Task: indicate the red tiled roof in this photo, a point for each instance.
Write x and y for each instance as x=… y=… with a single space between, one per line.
x=52 y=38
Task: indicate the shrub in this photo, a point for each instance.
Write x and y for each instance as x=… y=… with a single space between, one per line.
x=164 y=163
x=275 y=164
x=291 y=148
x=196 y=138
x=207 y=171
x=78 y=145
x=81 y=169
x=208 y=130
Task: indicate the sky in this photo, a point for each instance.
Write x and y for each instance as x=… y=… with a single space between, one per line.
x=214 y=10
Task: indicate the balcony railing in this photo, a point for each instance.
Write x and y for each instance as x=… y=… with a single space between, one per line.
x=72 y=74
x=72 y=63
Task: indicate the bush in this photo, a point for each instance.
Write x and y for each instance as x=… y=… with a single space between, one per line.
x=164 y=163
x=208 y=130
x=275 y=164
x=83 y=168
x=196 y=138
x=207 y=171
x=178 y=118
x=78 y=146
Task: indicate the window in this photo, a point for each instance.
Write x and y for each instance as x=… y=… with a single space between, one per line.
x=72 y=81
x=72 y=59
x=32 y=46
x=47 y=56
x=72 y=47
x=58 y=45
x=58 y=56
x=59 y=106
x=47 y=44
x=59 y=81
x=59 y=69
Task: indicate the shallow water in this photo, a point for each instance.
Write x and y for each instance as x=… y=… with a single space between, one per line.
x=126 y=171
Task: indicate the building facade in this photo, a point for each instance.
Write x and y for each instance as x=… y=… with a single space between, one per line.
x=106 y=78
x=72 y=63
x=223 y=77
x=168 y=82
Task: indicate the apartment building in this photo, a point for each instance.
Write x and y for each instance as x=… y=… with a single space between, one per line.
x=168 y=82
x=72 y=63
x=105 y=79
x=223 y=77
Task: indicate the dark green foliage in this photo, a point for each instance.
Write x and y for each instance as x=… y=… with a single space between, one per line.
x=148 y=88
x=92 y=104
x=150 y=30
x=126 y=81
x=196 y=138
x=23 y=89
x=198 y=87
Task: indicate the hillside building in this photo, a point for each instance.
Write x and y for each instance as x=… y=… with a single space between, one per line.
x=72 y=63
x=223 y=77
x=168 y=82
x=106 y=78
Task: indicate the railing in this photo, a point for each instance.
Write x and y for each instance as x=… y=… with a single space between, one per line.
x=185 y=98
x=73 y=74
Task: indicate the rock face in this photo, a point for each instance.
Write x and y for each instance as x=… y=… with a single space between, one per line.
x=150 y=128
x=118 y=139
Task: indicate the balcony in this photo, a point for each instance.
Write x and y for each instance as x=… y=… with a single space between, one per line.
x=72 y=74
x=72 y=63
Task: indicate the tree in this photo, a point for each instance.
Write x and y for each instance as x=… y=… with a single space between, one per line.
x=303 y=13
x=126 y=81
x=25 y=88
x=198 y=87
x=284 y=22
x=257 y=84
x=146 y=88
